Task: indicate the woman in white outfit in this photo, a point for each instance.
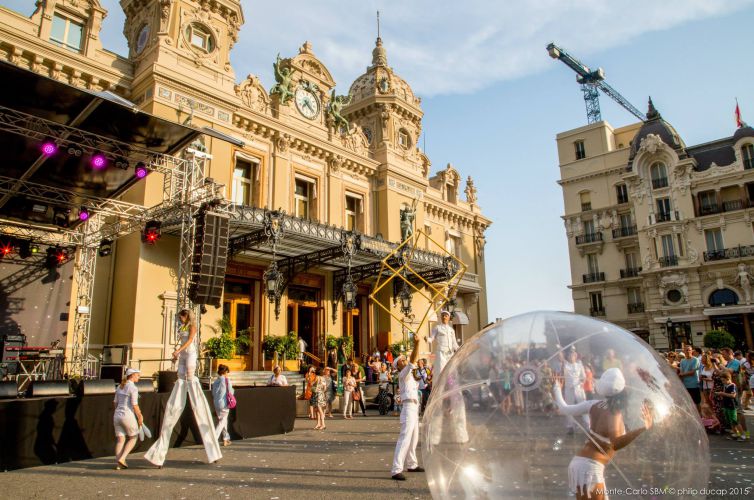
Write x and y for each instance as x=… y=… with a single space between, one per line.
x=187 y=384
x=574 y=376
x=127 y=417
x=220 y=389
x=606 y=433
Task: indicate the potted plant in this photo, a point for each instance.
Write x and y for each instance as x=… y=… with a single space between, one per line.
x=243 y=342
x=271 y=348
x=331 y=346
x=290 y=351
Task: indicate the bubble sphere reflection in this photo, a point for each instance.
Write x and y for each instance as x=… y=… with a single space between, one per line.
x=493 y=427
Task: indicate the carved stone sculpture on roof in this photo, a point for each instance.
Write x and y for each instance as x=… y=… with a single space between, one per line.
x=480 y=239
x=744 y=279
x=284 y=82
x=334 y=112
x=470 y=191
x=253 y=94
x=355 y=140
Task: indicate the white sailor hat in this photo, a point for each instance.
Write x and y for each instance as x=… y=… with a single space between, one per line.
x=131 y=371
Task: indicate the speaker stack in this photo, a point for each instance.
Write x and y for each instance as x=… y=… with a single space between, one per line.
x=209 y=259
x=9 y=359
x=50 y=388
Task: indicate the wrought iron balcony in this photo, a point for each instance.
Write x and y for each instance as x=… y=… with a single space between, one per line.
x=709 y=209
x=588 y=238
x=667 y=216
x=622 y=232
x=586 y=207
x=638 y=307
x=662 y=182
x=732 y=205
x=727 y=206
x=729 y=253
x=630 y=272
x=670 y=260
x=597 y=312
x=593 y=277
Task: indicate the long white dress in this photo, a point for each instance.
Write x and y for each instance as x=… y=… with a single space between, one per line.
x=187 y=384
x=442 y=338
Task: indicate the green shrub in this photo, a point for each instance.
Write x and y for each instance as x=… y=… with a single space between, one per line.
x=289 y=346
x=407 y=346
x=222 y=347
x=346 y=343
x=331 y=342
x=243 y=342
x=271 y=345
x=717 y=339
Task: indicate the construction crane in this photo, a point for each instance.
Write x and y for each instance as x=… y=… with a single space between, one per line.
x=590 y=82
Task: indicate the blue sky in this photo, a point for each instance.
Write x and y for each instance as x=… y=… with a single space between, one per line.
x=494 y=101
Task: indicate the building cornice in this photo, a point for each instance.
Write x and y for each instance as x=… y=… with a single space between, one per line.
x=591 y=175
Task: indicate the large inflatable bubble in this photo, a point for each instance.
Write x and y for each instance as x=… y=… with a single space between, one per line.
x=492 y=428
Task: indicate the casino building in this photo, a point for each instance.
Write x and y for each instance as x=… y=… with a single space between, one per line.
x=329 y=166
x=660 y=233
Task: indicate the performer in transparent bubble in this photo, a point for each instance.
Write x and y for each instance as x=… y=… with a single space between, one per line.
x=444 y=344
x=526 y=453
x=187 y=384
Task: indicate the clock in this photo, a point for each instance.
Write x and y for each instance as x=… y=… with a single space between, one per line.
x=142 y=38
x=307 y=103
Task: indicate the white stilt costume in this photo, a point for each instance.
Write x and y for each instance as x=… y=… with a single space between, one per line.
x=444 y=345
x=187 y=383
x=573 y=389
x=405 y=449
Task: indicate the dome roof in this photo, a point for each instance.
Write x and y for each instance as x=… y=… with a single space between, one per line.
x=656 y=125
x=381 y=80
x=745 y=131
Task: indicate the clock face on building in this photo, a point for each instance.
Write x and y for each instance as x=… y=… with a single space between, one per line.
x=142 y=39
x=307 y=103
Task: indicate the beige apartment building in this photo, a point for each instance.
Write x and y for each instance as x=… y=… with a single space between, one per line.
x=660 y=234
x=331 y=162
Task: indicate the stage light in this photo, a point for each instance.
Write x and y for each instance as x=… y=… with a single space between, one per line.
x=6 y=248
x=105 y=248
x=55 y=257
x=74 y=151
x=34 y=249
x=24 y=249
x=140 y=171
x=83 y=214
x=151 y=232
x=99 y=161
x=60 y=216
x=49 y=148
x=121 y=163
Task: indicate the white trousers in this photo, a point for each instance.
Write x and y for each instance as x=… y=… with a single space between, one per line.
x=173 y=411
x=187 y=364
x=405 y=448
x=222 y=425
x=573 y=395
x=347 y=403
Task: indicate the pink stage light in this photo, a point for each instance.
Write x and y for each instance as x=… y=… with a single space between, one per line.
x=99 y=161
x=140 y=171
x=83 y=214
x=49 y=148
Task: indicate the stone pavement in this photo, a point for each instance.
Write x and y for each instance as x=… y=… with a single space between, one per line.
x=351 y=459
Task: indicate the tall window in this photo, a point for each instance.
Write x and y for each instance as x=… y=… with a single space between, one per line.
x=707 y=202
x=595 y=303
x=748 y=156
x=403 y=139
x=451 y=193
x=586 y=201
x=714 y=238
x=589 y=226
x=668 y=250
x=353 y=212
x=659 y=175
x=302 y=199
x=592 y=263
x=632 y=260
x=242 y=190
x=580 y=151
x=66 y=32
x=625 y=221
x=634 y=295
x=621 y=192
x=663 y=209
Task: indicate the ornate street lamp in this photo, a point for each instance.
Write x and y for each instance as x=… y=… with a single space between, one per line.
x=669 y=327
x=272 y=285
x=349 y=293
x=405 y=297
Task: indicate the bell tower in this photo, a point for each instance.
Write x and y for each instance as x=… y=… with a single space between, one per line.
x=186 y=40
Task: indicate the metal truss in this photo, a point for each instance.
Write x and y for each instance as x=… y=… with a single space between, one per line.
x=42 y=236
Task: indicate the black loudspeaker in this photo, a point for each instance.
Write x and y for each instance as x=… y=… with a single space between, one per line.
x=97 y=387
x=111 y=372
x=50 y=388
x=9 y=359
x=210 y=258
x=145 y=385
x=9 y=389
x=166 y=381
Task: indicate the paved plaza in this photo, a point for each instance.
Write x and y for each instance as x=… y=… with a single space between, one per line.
x=351 y=459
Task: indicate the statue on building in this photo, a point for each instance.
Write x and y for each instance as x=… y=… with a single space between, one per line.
x=407 y=221
x=334 y=109
x=743 y=278
x=470 y=191
x=284 y=79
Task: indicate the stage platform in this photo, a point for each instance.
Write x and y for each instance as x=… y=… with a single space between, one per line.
x=45 y=431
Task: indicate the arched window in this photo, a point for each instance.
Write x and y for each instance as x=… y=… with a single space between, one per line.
x=659 y=175
x=724 y=297
x=747 y=151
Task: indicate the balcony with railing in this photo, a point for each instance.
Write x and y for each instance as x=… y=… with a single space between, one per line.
x=597 y=312
x=589 y=238
x=630 y=272
x=637 y=307
x=660 y=183
x=585 y=207
x=623 y=232
x=593 y=277
x=729 y=253
x=658 y=217
x=727 y=206
x=668 y=261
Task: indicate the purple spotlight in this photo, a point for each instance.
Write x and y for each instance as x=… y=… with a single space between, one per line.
x=140 y=171
x=99 y=161
x=49 y=148
x=83 y=214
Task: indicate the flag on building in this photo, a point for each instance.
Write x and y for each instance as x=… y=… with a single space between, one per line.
x=739 y=122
